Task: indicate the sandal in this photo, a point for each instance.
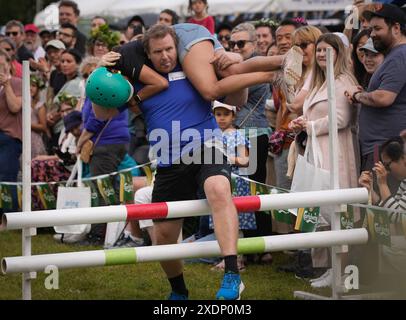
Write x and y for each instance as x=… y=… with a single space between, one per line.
x=292 y=66
x=291 y=73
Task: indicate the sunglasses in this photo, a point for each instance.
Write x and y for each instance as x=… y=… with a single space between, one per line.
x=14 y=34
x=303 y=45
x=240 y=43
x=64 y=34
x=226 y=38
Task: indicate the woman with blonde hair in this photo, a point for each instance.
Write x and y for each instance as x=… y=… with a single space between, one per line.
x=315 y=121
x=305 y=37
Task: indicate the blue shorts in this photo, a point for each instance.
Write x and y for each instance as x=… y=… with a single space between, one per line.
x=189 y=34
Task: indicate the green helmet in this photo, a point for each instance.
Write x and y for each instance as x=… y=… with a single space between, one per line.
x=107 y=89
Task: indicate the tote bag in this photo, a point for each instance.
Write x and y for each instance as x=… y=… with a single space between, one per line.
x=309 y=176
x=74 y=198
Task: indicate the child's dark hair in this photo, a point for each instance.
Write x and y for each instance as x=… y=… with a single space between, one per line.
x=75 y=54
x=191 y=2
x=393 y=148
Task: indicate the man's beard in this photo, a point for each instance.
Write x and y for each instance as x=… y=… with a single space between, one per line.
x=382 y=45
x=30 y=46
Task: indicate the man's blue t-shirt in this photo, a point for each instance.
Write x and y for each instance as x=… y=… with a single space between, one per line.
x=376 y=125
x=178 y=119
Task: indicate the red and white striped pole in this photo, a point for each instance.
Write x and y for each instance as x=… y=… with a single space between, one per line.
x=179 y=209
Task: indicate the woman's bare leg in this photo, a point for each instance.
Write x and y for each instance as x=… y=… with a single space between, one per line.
x=201 y=73
x=254 y=64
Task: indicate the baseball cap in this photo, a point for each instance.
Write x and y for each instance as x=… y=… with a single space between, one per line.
x=72 y=120
x=388 y=11
x=58 y=44
x=31 y=28
x=218 y=104
x=343 y=38
x=369 y=45
x=44 y=31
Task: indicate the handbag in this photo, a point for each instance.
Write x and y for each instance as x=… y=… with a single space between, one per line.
x=88 y=147
x=276 y=142
x=309 y=176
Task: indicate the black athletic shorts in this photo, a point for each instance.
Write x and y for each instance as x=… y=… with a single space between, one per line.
x=180 y=182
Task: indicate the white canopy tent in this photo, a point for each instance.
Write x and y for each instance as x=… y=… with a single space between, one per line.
x=125 y=8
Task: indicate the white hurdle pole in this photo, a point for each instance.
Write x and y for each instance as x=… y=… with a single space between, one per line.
x=28 y=232
x=334 y=168
x=113 y=257
x=180 y=209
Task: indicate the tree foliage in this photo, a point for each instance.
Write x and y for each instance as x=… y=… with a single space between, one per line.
x=23 y=10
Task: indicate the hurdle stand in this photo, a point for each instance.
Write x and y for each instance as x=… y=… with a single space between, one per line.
x=29 y=232
x=12 y=221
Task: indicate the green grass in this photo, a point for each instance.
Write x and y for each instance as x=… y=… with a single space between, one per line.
x=141 y=281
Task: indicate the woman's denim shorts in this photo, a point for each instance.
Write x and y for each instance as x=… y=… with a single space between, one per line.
x=189 y=34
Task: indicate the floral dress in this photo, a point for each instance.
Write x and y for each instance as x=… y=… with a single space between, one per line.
x=231 y=140
x=37 y=144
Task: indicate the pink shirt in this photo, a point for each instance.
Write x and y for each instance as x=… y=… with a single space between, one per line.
x=18 y=69
x=207 y=22
x=11 y=123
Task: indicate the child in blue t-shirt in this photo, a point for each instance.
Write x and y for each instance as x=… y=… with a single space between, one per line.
x=236 y=147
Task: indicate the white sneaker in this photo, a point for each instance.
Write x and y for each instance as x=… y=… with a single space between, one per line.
x=69 y=238
x=325 y=282
x=325 y=274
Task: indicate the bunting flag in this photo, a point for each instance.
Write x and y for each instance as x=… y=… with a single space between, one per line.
x=307 y=219
x=6 y=197
x=148 y=173
x=20 y=196
x=47 y=197
x=106 y=190
x=284 y=216
x=379 y=225
x=347 y=219
x=126 y=188
x=93 y=192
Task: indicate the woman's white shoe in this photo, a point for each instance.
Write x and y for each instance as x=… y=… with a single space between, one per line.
x=325 y=274
x=324 y=282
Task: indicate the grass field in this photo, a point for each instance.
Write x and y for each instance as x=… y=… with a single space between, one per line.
x=141 y=281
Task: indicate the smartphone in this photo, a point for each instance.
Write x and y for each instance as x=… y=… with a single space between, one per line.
x=138 y=29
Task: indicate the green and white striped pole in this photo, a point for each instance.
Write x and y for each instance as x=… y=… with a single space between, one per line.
x=114 y=257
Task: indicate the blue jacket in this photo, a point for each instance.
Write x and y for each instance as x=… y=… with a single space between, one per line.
x=116 y=132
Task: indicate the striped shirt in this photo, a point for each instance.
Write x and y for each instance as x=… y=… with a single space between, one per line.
x=396 y=202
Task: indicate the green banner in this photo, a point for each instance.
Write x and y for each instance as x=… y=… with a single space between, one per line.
x=107 y=191
x=6 y=197
x=126 y=188
x=93 y=192
x=283 y=216
x=47 y=197
x=379 y=226
x=307 y=219
x=347 y=219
